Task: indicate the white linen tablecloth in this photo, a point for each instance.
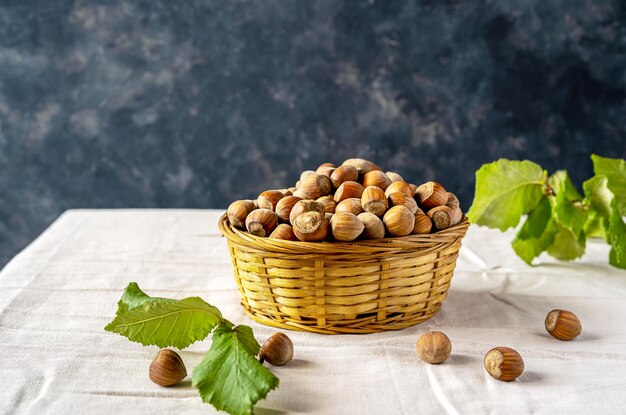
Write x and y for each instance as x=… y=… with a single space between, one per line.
x=58 y=294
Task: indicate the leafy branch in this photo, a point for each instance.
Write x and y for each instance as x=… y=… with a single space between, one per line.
x=229 y=377
x=559 y=219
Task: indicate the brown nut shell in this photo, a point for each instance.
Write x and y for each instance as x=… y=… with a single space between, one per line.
x=261 y=222
x=314 y=186
x=325 y=171
x=563 y=325
x=346 y=226
x=269 y=198
x=344 y=174
x=348 y=190
x=374 y=228
x=329 y=203
x=363 y=166
x=284 y=206
x=311 y=227
x=283 y=231
x=443 y=217
x=167 y=368
x=376 y=178
x=423 y=224
x=305 y=206
x=430 y=195
x=277 y=350
x=373 y=200
x=504 y=363
x=402 y=199
x=238 y=211
x=399 y=221
x=433 y=347
x=400 y=187
x=452 y=200
x=394 y=177
x=352 y=205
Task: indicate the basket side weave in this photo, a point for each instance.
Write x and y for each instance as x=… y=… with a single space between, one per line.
x=359 y=287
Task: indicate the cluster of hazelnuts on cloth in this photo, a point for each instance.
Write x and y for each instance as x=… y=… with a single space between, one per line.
x=354 y=200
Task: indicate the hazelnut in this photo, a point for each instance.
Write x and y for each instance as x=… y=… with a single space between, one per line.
x=347 y=190
x=326 y=165
x=167 y=368
x=352 y=205
x=401 y=187
x=376 y=178
x=563 y=325
x=344 y=174
x=399 y=221
x=306 y=174
x=329 y=203
x=277 y=350
x=373 y=200
x=305 y=206
x=402 y=199
x=286 y=192
x=283 y=231
x=325 y=171
x=314 y=186
x=443 y=217
x=238 y=211
x=374 y=228
x=311 y=226
x=423 y=224
x=269 y=199
x=434 y=347
x=261 y=222
x=284 y=206
x=346 y=226
x=363 y=166
x=452 y=200
x=504 y=363
x=430 y=195
x=394 y=177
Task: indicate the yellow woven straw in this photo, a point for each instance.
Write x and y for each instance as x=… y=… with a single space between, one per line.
x=332 y=287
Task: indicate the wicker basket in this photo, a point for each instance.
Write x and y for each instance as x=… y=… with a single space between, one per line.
x=358 y=287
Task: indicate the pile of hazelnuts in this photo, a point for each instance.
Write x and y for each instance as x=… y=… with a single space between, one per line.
x=342 y=203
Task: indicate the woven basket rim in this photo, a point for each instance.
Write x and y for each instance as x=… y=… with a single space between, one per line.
x=362 y=246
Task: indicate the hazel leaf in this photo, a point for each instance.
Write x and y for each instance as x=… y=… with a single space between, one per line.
x=163 y=322
x=505 y=190
x=616 y=237
x=615 y=172
x=230 y=377
x=536 y=234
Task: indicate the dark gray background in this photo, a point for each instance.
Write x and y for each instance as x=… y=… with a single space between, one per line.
x=167 y=103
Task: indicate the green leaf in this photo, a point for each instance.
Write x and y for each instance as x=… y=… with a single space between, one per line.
x=505 y=190
x=230 y=377
x=598 y=195
x=536 y=234
x=616 y=237
x=615 y=172
x=596 y=225
x=561 y=184
x=570 y=214
x=566 y=245
x=163 y=322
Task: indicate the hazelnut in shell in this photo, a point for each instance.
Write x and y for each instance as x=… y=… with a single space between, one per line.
x=394 y=177
x=376 y=178
x=284 y=206
x=344 y=174
x=269 y=199
x=346 y=226
x=563 y=325
x=238 y=211
x=314 y=186
x=352 y=205
x=504 y=363
x=399 y=221
x=423 y=224
x=402 y=199
x=374 y=228
x=277 y=350
x=167 y=368
x=302 y=206
x=363 y=166
x=311 y=226
x=373 y=200
x=433 y=347
x=443 y=217
x=283 y=231
x=400 y=187
x=452 y=200
x=347 y=190
x=261 y=222
x=430 y=195
x=329 y=203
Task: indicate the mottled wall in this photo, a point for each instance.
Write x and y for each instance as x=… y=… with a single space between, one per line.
x=191 y=103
